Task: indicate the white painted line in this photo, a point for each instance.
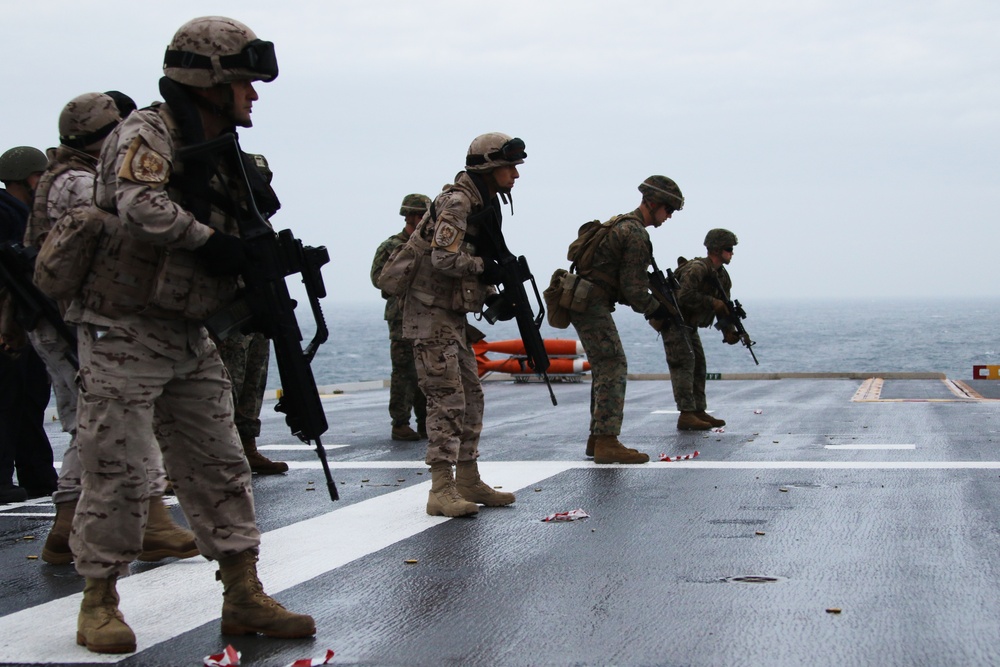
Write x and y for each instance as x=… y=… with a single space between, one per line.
x=869 y=446
x=150 y=601
x=698 y=463
x=665 y=412
x=299 y=448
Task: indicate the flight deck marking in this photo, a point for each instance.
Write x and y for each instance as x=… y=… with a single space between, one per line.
x=869 y=446
x=150 y=600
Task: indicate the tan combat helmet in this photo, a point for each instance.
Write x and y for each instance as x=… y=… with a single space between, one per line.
x=492 y=150
x=662 y=190
x=86 y=120
x=414 y=203
x=719 y=238
x=20 y=162
x=211 y=50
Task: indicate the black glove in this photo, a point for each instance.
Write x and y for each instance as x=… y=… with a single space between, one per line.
x=660 y=314
x=492 y=273
x=223 y=254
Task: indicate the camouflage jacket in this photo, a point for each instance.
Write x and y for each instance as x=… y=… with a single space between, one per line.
x=67 y=183
x=621 y=261
x=393 y=312
x=699 y=290
x=447 y=284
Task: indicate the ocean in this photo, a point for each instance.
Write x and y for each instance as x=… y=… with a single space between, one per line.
x=919 y=335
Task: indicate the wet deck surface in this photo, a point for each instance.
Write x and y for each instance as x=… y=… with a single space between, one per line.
x=882 y=504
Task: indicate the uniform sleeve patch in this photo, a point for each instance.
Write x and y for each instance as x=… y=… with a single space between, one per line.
x=144 y=165
x=446 y=235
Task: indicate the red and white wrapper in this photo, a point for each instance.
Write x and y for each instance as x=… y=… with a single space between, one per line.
x=312 y=662
x=758 y=412
x=664 y=457
x=720 y=429
x=228 y=657
x=571 y=515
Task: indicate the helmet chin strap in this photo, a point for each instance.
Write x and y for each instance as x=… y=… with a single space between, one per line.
x=508 y=198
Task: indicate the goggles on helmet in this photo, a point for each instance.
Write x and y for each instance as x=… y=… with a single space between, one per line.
x=257 y=56
x=511 y=151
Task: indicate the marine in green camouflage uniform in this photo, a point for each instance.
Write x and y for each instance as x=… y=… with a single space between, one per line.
x=618 y=270
x=701 y=302
x=404 y=392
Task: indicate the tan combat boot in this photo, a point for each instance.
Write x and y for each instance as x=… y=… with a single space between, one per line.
x=164 y=538
x=404 y=432
x=248 y=610
x=705 y=417
x=100 y=626
x=259 y=463
x=590 y=444
x=444 y=499
x=607 y=449
x=690 y=421
x=475 y=490
x=56 y=550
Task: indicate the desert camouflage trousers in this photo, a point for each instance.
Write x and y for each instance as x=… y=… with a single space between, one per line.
x=52 y=349
x=449 y=378
x=404 y=390
x=608 y=367
x=122 y=384
x=246 y=359
x=687 y=370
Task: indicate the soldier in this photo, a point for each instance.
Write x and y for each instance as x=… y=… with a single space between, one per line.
x=404 y=392
x=618 y=275
x=704 y=285
x=24 y=384
x=167 y=259
x=450 y=281
x=68 y=183
x=246 y=357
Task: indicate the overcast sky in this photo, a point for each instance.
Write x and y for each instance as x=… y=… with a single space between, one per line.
x=853 y=146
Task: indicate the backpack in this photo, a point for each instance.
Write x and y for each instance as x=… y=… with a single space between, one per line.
x=401 y=266
x=67 y=252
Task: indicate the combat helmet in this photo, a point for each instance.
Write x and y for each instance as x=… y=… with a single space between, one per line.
x=414 y=204
x=662 y=190
x=86 y=120
x=719 y=238
x=213 y=50
x=492 y=150
x=20 y=162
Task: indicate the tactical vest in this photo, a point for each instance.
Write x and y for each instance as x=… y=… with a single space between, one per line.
x=66 y=160
x=431 y=288
x=130 y=276
x=702 y=317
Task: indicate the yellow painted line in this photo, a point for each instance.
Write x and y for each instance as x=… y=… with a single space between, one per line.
x=869 y=391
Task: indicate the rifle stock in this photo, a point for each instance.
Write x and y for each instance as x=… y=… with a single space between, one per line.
x=267 y=307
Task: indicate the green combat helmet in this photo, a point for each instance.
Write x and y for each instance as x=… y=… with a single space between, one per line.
x=212 y=50
x=414 y=204
x=20 y=162
x=719 y=238
x=86 y=120
x=662 y=190
x=492 y=150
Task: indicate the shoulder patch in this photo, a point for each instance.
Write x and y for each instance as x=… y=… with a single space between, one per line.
x=144 y=165
x=446 y=236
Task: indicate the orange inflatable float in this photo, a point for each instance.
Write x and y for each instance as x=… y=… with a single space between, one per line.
x=554 y=347
x=564 y=357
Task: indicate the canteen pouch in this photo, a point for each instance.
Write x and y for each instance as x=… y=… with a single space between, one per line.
x=556 y=314
x=576 y=293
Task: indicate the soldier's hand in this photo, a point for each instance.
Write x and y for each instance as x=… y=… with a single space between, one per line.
x=223 y=254
x=492 y=273
x=719 y=306
x=730 y=337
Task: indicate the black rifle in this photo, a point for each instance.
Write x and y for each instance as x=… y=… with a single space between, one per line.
x=664 y=289
x=266 y=307
x=512 y=301
x=17 y=268
x=734 y=319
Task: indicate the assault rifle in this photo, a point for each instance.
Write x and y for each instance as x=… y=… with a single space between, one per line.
x=512 y=301
x=17 y=266
x=664 y=289
x=266 y=306
x=734 y=319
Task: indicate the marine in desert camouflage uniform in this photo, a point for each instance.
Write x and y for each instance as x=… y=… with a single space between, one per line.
x=145 y=359
x=404 y=391
x=701 y=302
x=619 y=267
x=68 y=183
x=451 y=282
